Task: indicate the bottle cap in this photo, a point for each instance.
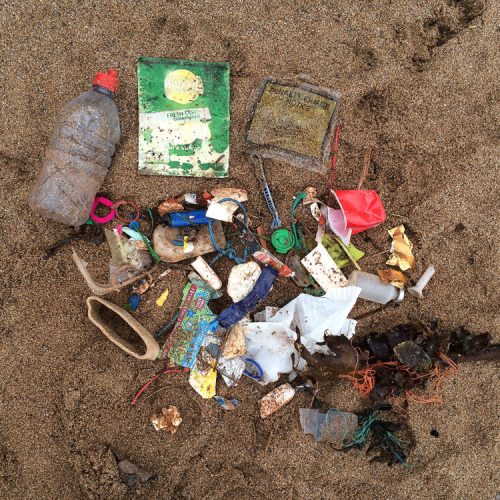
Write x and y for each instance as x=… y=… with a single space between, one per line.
x=282 y=240
x=401 y=296
x=107 y=80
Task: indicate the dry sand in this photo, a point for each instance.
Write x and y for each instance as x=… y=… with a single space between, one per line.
x=420 y=84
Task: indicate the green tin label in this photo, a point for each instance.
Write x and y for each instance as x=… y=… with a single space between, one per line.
x=183 y=117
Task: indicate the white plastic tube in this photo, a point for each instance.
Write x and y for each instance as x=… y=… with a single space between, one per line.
x=201 y=266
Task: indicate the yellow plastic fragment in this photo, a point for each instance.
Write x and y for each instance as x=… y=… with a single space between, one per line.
x=162 y=298
x=203 y=377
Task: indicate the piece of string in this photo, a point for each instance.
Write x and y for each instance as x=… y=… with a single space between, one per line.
x=437 y=376
x=168 y=371
x=229 y=250
x=363 y=380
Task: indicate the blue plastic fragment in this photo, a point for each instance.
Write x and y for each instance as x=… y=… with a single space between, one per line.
x=236 y=312
x=227 y=404
x=134 y=225
x=134 y=300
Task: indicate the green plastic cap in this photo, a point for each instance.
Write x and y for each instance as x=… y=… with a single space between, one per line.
x=282 y=240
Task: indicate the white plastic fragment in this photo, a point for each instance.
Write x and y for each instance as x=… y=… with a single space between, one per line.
x=224 y=211
x=242 y=279
x=323 y=269
x=201 y=266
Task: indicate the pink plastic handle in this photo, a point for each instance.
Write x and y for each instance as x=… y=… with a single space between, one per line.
x=100 y=200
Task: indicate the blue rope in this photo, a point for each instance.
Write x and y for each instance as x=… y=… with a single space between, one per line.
x=229 y=251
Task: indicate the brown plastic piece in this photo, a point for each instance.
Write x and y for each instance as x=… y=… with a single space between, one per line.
x=105 y=288
x=95 y=306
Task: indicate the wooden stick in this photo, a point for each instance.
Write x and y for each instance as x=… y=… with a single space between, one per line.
x=366 y=167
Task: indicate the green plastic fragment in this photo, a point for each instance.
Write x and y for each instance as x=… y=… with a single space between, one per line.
x=156 y=257
x=296 y=230
x=338 y=252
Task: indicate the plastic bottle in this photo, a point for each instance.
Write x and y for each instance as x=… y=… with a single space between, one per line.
x=79 y=154
x=373 y=288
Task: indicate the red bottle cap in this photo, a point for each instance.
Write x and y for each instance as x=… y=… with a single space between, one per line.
x=107 y=80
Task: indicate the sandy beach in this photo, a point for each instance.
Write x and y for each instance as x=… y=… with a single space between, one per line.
x=419 y=83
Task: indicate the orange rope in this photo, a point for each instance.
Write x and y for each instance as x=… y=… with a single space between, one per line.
x=363 y=380
x=437 y=377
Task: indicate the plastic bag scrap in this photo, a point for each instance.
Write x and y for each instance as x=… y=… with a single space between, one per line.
x=124 y=251
x=203 y=376
x=231 y=370
x=276 y=399
x=401 y=249
x=338 y=254
x=335 y=427
x=364 y=431
x=195 y=321
x=265 y=315
x=271 y=344
x=237 y=311
x=235 y=345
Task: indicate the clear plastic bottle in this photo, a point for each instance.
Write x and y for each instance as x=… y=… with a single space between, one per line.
x=79 y=153
x=373 y=288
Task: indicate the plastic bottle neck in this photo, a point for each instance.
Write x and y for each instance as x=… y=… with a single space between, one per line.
x=103 y=90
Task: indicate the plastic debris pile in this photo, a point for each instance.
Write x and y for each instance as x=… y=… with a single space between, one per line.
x=308 y=342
